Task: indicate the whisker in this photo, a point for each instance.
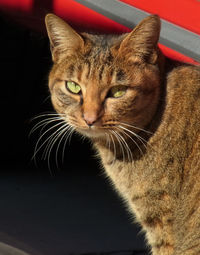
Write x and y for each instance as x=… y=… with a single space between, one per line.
x=46 y=99
x=68 y=138
x=37 y=147
x=50 y=146
x=120 y=143
x=44 y=123
x=62 y=135
x=114 y=146
x=129 y=153
x=140 y=138
x=57 y=130
x=70 y=135
x=44 y=126
x=132 y=139
x=51 y=140
x=107 y=144
x=108 y=141
x=46 y=115
x=141 y=129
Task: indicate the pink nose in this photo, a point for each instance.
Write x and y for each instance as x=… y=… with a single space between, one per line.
x=90 y=118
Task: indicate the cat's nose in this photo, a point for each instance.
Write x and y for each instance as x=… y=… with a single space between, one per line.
x=90 y=118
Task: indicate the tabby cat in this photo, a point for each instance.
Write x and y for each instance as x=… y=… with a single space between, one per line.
x=142 y=113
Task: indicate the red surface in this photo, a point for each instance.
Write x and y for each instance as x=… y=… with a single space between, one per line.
x=86 y=18
x=18 y=5
x=185 y=13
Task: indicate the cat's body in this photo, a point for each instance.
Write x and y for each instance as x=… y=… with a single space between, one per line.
x=163 y=189
x=143 y=116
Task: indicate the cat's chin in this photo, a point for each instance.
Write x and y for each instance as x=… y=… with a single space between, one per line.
x=91 y=133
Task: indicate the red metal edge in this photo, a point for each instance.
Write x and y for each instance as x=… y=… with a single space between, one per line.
x=172 y=54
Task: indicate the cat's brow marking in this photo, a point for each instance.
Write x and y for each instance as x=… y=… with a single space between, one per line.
x=109 y=57
x=101 y=72
x=70 y=70
x=120 y=75
x=88 y=66
x=80 y=70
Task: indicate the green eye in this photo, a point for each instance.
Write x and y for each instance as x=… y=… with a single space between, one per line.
x=117 y=91
x=73 y=87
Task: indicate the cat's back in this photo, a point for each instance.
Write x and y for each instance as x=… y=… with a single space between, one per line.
x=185 y=79
x=182 y=102
x=180 y=119
x=177 y=138
x=182 y=122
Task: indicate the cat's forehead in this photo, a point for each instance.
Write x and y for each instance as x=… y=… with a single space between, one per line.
x=100 y=47
x=103 y=41
x=97 y=70
x=97 y=50
x=99 y=62
x=97 y=65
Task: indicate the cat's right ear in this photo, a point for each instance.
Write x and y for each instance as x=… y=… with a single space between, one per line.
x=141 y=43
x=62 y=37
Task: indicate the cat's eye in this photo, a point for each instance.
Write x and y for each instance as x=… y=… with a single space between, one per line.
x=117 y=91
x=73 y=87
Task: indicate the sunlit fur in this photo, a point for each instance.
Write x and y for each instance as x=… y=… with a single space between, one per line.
x=148 y=139
x=96 y=67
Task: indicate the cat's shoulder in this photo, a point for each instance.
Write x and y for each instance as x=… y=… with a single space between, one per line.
x=189 y=74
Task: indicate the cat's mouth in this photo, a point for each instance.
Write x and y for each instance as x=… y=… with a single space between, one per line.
x=97 y=130
x=92 y=131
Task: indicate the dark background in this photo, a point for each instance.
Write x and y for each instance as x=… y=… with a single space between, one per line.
x=66 y=209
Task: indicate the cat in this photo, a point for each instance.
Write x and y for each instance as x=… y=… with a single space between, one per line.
x=142 y=113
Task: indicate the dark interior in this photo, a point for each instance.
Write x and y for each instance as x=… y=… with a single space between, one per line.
x=49 y=208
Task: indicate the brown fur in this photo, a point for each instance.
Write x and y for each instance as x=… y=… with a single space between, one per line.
x=157 y=172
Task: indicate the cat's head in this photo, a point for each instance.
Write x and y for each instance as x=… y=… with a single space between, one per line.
x=104 y=83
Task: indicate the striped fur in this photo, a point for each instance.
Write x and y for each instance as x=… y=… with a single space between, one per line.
x=149 y=138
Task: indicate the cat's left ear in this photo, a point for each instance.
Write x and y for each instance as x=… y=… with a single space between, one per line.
x=141 y=43
x=62 y=37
